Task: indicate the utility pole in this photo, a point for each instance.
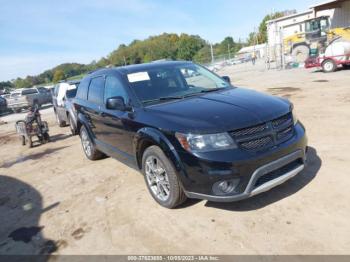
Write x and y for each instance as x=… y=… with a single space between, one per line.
x=229 y=52
x=124 y=60
x=212 y=53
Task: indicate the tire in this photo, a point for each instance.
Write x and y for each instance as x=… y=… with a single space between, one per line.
x=60 y=122
x=29 y=142
x=329 y=66
x=36 y=104
x=346 y=66
x=88 y=146
x=164 y=186
x=300 y=53
x=72 y=125
x=45 y=138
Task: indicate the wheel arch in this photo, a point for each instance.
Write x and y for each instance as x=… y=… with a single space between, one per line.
x=295 y=45
x=147 y=137
x=83 y=121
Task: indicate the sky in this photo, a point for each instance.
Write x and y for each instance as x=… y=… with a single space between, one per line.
x=36 y=35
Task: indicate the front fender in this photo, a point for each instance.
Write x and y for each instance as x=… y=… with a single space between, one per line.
x=151 y=136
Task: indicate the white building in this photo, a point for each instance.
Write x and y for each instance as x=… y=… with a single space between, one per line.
x=248 y=51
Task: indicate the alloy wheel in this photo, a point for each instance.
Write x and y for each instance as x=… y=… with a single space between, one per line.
x=85 y=141
x=157 y=178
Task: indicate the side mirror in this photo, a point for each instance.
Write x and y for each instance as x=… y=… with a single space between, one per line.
x=116 y=103
x=227 y=79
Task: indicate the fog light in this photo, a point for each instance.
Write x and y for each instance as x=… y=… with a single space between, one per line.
x=225 y=187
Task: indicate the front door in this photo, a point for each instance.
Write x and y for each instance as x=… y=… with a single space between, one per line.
x=115 y=131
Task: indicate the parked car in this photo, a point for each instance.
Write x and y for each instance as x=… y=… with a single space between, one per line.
x=3 y=105
x=196 y=137
x=26 y=97
x=62 y=100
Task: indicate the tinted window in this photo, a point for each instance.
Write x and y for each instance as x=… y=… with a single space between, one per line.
x=83 y=88
x=114 y=87
x=29 y=91
x=96 y=90
x=43 y=90
x=55 y=92
x=71 y=93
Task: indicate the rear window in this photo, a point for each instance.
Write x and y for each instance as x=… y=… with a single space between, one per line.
x=71 y=93
x=96 y=90
x=29 y=91
x=43 y=90
x=83 y=88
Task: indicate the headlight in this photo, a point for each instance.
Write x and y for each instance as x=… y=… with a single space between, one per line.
x=205 y=143
x=295 y=118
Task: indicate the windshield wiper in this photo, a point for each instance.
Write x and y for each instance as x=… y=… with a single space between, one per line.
x=212 y=90
x=165 y=98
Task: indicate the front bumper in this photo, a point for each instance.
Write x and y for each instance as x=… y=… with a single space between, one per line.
x=251 y=189
x=257 y=172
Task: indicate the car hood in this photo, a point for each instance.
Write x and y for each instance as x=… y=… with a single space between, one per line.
x=218 y=111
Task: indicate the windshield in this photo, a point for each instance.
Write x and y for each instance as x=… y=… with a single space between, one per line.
x=13 y=95
x=174 y=82
x=317 y=24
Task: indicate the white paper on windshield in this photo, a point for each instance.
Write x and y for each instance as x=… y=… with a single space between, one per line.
x=137 y=77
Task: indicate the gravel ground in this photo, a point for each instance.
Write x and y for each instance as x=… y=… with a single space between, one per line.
x=52 y=199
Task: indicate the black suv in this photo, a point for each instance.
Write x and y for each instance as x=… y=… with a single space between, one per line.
x=190 y=131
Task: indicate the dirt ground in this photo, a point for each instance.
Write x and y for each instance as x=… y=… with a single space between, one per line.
x=52 y=199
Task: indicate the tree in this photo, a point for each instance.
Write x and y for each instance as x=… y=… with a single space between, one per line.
x=6 y=85
x=58 y=76
x=188 y=46
x=260 y=37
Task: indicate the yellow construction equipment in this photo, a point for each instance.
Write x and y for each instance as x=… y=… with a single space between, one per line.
x=315 y=39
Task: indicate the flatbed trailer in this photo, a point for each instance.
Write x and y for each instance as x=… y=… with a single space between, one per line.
x=328 y=63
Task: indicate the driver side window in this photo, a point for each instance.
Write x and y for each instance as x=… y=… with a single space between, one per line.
x=113 y=87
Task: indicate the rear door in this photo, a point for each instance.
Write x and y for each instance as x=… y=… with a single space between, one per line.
x=115 y=124
x=93 y=108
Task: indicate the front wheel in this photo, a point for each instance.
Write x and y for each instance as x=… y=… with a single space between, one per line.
x=59 y=122
x=329 y=66
x=161 y=178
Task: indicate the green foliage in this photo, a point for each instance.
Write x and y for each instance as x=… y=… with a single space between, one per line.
x=5 y=85
x=22 y=83
x=164 y=46
x=58 y=76
x=188 y=46
x=261 y=36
